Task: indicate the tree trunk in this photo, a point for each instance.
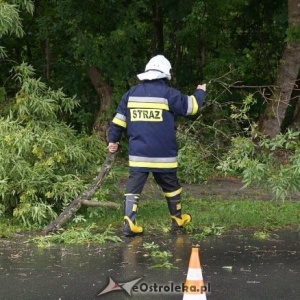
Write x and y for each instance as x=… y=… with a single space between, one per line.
x=271 y=120
x=202 y=50
x=158 y=23
x=296 y=118
x=48 y=59
x=105 y=94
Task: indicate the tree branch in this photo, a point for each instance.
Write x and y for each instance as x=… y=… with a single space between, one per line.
x=83 y=198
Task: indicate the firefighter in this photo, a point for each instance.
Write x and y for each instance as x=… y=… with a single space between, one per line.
x=147 y=114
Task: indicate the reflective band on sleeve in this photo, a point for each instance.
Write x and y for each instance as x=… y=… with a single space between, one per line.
x=121 y=117
x=172 y=194
x=192 y=105
x=195 y=105
x=120 y=120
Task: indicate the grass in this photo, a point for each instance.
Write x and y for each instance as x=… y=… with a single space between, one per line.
x=214 y=217
x=232 y=214
x=8 y=227
x=209 y=217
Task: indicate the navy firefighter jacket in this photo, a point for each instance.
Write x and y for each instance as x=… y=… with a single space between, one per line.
x=147 y=114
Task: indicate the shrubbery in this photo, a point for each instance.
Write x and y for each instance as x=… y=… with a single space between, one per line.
x=44 y=163
x=194 y=164
x=270 y=163
x=273 y=164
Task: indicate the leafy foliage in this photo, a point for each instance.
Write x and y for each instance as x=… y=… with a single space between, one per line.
x=209 y=230
x=271 y=163
x=10 y=21
x=44 y=162
x=293 y=34
x=159 y=257
x=194 y=166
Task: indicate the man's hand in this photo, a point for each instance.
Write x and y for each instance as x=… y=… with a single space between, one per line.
x=113 y=147
x=201 y=87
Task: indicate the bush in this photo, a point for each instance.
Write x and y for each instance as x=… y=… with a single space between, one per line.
x=194 y=166
x=44 y=163
x=273 y=164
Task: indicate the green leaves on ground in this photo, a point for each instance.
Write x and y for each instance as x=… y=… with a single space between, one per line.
x=77 y=235
x=159 y=257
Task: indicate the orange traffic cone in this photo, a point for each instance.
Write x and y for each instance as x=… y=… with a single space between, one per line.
x=194 y=287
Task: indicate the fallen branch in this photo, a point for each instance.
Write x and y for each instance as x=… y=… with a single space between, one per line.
x=83 y=198
x=100 y=203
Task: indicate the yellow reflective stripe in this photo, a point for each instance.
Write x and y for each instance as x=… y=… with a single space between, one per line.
x=134 y=208
x=172 y=194
x=195 y=105
x=119 y=122
x=153 y=159
x=141 y=164
x=132 y=104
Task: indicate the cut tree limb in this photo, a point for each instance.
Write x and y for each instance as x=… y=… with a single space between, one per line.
x=100 y=203
x=83 y=198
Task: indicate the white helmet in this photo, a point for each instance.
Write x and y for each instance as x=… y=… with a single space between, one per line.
x=157 y=67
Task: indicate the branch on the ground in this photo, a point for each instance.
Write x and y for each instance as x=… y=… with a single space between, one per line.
x=100 y=203
x=83 y=198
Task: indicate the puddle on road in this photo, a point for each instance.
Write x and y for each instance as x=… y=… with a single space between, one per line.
x=234 y=266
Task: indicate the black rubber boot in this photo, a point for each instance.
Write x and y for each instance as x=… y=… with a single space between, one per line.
x=178 y=219
x=130 y=225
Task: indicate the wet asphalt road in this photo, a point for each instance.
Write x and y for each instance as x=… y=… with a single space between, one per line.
x=234 y=266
